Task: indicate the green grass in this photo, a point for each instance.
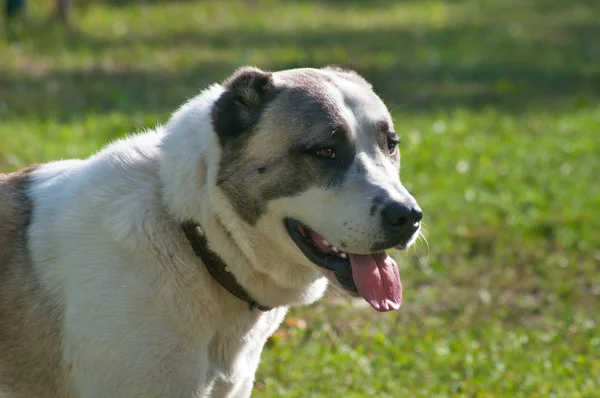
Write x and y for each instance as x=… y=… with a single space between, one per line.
x=497 y=103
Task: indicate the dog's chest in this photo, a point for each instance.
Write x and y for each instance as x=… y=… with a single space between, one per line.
x=234 y=350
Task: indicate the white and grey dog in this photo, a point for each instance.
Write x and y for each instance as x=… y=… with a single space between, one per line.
x=160 y=266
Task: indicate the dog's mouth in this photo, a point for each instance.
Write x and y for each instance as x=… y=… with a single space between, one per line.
x=375 y=276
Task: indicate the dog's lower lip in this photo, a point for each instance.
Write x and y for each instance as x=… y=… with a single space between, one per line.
x=338 y=263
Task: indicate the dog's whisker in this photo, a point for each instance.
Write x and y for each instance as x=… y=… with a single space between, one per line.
x=397 y=107
x=424 y=239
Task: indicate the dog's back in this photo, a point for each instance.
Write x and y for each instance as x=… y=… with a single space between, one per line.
x=29 y=333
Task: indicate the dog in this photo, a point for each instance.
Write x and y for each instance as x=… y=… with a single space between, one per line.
x=160 y=266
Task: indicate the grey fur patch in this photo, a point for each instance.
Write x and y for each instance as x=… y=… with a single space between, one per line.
x=30 y=336
x=298 y=113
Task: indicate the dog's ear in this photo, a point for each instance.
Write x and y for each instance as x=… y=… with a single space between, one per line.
x=239 y=108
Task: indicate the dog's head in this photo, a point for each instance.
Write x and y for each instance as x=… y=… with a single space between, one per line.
x=310 y=161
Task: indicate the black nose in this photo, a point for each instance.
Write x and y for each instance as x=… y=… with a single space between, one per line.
x=400 y=217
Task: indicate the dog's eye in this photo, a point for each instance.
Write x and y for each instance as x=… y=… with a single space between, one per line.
x=392 y=143
x=392 y=147
x=328 y=153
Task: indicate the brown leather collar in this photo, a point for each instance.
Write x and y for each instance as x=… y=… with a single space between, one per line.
x=215 y=266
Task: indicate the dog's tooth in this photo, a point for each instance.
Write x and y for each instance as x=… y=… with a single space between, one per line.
x=335 y=249
x=343 y=255
x=199 y=230
x=323 y=241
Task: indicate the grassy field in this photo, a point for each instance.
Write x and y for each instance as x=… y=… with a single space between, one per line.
x=497 y=103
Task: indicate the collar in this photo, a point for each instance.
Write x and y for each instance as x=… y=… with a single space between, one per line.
x=215 y=265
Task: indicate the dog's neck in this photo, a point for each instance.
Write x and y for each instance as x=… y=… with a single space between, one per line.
x=189 y=162
x=215 y=265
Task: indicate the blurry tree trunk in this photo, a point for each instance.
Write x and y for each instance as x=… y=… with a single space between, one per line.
x=63 y=10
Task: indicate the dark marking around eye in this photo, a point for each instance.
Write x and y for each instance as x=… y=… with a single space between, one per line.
x=261 y=170
x=383 y=126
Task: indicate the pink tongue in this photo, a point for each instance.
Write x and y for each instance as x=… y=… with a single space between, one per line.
x=377 y=279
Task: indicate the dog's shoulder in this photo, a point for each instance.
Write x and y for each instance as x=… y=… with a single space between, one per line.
x=28 y=330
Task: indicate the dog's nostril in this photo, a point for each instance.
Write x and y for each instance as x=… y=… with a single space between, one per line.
x=399 y=222
x=395 y=214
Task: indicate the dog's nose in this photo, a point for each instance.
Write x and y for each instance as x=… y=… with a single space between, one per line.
x=400 y=217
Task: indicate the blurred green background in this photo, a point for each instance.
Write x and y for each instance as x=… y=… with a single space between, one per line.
x=497 y=104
